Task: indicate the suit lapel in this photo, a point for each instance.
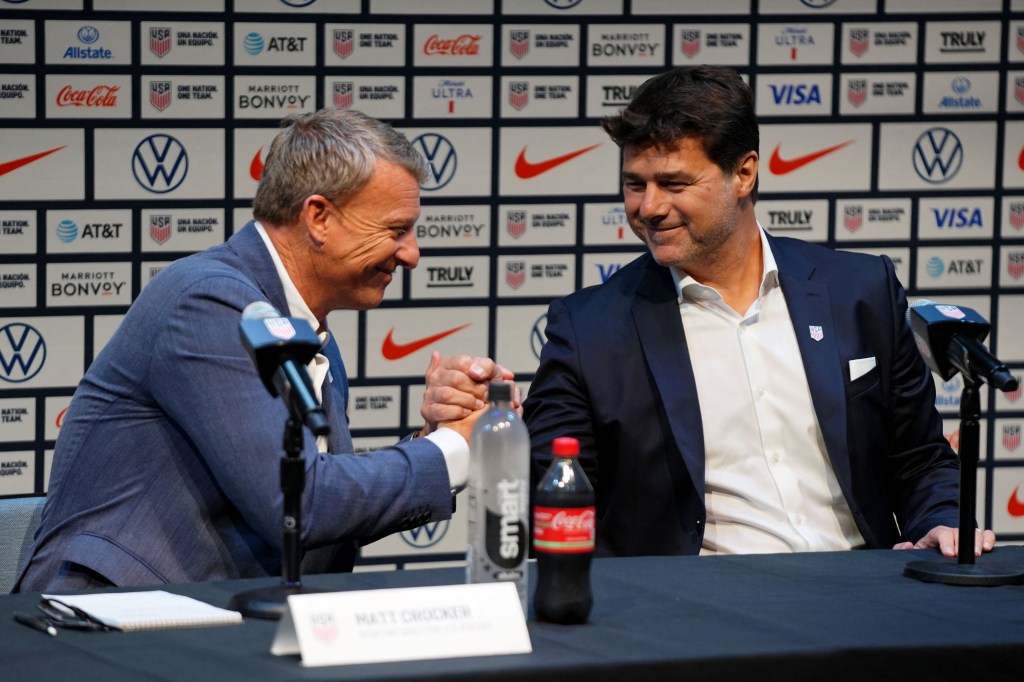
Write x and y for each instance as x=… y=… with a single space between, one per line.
x=810 y=309
x=660 y=328
x=336 y=400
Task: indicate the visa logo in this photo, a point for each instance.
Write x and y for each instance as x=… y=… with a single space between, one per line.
x=952 y=218
x=607 y=271
x=796 y=94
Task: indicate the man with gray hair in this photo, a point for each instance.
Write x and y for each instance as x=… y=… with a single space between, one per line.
x=166 y=467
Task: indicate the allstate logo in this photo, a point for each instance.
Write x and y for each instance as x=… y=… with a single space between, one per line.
x=88 y=34
x=938 y=155
x=426 y=535
x=538 y=335
x=22 y=352
x=160 y=163
x=67 y=231
x=935 y=267
x=952 y=385
x=961 y=85
x=253 y=43
x=441 y=159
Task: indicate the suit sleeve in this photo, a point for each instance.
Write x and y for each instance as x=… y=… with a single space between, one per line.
x=207 y=384
x=923 y=468
x=558 y=403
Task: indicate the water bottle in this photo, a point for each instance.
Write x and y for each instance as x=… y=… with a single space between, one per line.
x=563 y=538
x=499 y=496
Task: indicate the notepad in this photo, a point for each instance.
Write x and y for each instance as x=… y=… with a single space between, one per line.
x=150 y=610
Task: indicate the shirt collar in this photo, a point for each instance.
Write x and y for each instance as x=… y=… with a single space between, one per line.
x=689 y=288
x=297 y=306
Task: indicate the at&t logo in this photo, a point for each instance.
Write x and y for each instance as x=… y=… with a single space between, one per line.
x=938 y=155
x=426 y=535
x=160 y=163
x=441 y=159
x=253 y=43
x=22 y=352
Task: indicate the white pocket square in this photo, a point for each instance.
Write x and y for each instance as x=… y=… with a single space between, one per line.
x=860 y=367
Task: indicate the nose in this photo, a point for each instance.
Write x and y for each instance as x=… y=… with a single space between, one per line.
x=408 y=254
x=654 y=205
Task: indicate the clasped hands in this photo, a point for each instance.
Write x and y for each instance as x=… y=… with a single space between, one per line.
x=456 y=391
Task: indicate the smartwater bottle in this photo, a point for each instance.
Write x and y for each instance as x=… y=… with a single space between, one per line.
x=499 y=497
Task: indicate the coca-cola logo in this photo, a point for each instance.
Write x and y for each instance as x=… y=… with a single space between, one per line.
x=99 y=96
x=465 y=44
x=566 y=522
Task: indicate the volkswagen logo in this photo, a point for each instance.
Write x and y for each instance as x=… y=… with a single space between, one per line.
x=441 y=159
x=22 y=352
x=563 y=4
x=160 y=163
x=938 y=155
x=426 y=535
x=298 y=3
x=538 y=337
x=88 y=34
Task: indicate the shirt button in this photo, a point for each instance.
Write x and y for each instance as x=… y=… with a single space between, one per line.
x=776 y=458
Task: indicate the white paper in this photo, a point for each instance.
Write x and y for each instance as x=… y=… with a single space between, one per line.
x=403 y=624
x=148 y=610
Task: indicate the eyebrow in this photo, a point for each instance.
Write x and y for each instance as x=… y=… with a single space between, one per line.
x=659 y=177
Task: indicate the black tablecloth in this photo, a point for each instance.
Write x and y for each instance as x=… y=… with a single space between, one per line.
x=827 y=616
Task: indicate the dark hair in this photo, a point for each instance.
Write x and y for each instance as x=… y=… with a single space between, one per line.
x=709 y=103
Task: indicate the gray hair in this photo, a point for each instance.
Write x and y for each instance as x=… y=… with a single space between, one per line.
x=331 y=152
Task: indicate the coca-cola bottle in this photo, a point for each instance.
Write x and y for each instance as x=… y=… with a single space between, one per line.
x=563 y=538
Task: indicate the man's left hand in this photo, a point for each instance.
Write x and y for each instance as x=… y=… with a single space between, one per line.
x=947 y=541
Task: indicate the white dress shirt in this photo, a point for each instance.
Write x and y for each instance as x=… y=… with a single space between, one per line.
x=452 y=445
x=769 y=484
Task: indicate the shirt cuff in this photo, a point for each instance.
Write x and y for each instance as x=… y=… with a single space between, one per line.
x=456 y=455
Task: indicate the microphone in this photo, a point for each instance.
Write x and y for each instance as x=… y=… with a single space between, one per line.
x=950 y=340
x=281 y=347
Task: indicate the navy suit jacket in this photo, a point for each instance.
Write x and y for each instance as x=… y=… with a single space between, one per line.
x=166 y=469
x=615 y=373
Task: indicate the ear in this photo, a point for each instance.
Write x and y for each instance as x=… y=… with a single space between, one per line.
x=746 y=175
x=316 y=209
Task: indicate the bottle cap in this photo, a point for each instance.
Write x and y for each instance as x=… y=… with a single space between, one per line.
x=499 y=390
x=565 y=446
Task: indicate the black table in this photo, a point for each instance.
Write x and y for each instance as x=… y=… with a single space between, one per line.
x=827 y=616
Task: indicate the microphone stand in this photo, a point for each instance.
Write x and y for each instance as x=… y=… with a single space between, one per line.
x=964 y=571
x=270 y=602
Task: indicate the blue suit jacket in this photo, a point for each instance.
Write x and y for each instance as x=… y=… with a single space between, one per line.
x=167 y=465
x=615 y=373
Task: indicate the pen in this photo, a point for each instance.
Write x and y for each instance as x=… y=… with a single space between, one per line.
x=36 y=623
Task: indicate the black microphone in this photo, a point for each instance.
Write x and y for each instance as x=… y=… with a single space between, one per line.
x=281 y=347
x=950 y=340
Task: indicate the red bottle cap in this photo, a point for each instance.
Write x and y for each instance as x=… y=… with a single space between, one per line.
x=565 y=447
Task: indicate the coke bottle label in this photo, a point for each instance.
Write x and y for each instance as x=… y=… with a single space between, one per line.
x=564 y=531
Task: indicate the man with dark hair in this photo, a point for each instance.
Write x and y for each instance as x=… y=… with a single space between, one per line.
x=735 y=392
x=166 y=467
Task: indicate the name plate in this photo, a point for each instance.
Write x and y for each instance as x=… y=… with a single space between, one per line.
x=403 y=624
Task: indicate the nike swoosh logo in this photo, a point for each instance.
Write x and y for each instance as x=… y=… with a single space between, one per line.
x=396 y=351
x=256 y=166
x=780 y=166
x=14 y=165
x=527 y=170
x=1015 y=506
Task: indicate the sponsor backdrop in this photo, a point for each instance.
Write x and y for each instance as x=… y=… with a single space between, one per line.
x=132 y=133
